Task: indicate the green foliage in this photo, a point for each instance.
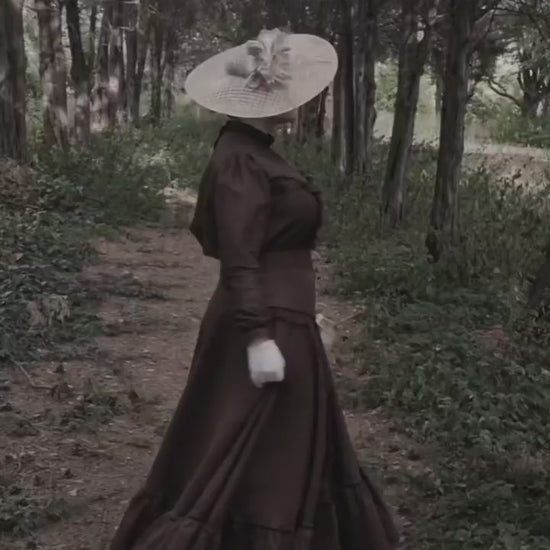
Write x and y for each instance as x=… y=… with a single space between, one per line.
x=444 y=347
x=48 y=215
x=22 y=513
x=508 y=125
x=386 y=87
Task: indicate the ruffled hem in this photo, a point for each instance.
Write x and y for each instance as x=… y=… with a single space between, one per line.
x=172 y=533
x=352 y=517
x=363 y=518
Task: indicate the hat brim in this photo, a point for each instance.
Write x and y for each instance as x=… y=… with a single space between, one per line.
x=313 y=64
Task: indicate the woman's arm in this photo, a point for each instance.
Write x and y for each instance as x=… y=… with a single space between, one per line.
x=241 y=203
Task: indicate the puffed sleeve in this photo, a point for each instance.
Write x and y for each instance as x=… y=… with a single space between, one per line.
x=241 y=206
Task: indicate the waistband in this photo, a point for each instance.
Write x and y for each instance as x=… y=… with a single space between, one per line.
x=287 y=278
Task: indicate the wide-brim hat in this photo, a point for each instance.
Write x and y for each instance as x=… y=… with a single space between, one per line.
x=269 y=76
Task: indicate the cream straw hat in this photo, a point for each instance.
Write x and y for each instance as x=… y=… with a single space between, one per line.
x=269 y=76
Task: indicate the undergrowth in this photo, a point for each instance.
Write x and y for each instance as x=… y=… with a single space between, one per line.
x=508 y=125
x=49 y=212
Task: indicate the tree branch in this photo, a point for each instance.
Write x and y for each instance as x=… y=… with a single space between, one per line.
x=499 y=90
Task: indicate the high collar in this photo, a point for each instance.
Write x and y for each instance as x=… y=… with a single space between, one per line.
x=252 y=132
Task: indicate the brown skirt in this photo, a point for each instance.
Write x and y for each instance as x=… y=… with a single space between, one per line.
x=248 y=469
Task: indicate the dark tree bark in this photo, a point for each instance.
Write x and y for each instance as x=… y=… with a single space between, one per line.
x=438 y=95
x=157 y=47
x=347 y=80
x=546 y=106
x=13 y=129
x=336 y=138
x=80 y=75
x=366 y=83
x=169 y=71
x=444 y=219
x=307 y=120
x=117 y=88
x=102 y=99
x=143 y=38
x=92 y=36
x=131 y=36
x=53 y=73
x=438 y=73
x=534 y=87
x=413 y=54
x=321 y=115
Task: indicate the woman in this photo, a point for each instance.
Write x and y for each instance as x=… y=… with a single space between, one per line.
x=257 y=456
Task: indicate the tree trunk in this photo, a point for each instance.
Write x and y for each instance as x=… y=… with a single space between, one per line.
x=169 y=72
x=438 y=95
x=336 y=140
x=348 y=93
x=131 y=35
x=412 y=59
x=101 y=96
x=143 y=40
x=531 y=84
x=80 y=74
x=157 y=43
x=366 y=84
x=321 y=115
x=546 y=106
x=306 y=123
x=530 y=104
x=13 y=129
x=53 y=74
x=117 y=92
x=444 y=220
x=438 y=62
x=92 y=35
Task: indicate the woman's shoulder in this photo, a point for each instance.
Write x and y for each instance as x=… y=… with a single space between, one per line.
x=233 y=154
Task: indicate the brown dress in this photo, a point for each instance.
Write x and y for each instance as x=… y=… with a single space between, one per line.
x=242 y=468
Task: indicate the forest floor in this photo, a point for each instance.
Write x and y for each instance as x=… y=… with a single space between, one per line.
x=79 y=443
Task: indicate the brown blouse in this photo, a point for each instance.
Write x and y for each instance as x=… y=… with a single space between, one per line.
x=260 y=217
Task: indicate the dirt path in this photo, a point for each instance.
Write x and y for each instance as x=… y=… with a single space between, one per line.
x=73 y=456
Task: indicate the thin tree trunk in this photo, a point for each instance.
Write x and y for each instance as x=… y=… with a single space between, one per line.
x=412 y=59
x=92 y=36
x=80 y=74
x=143 y=41
x=444 y=219
x=348 y=92
x=101 y=96
x=366 y=84
x=336 y=141
x=307 y=120
x=438 y=60
x=531 y=84
x=438 y=95
x=13 y=129
x=117 y=92
x=157 y=42
x=321 y=115
x=131 y=35
x=53 y=74
x=546 y=106
x=169 y=72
